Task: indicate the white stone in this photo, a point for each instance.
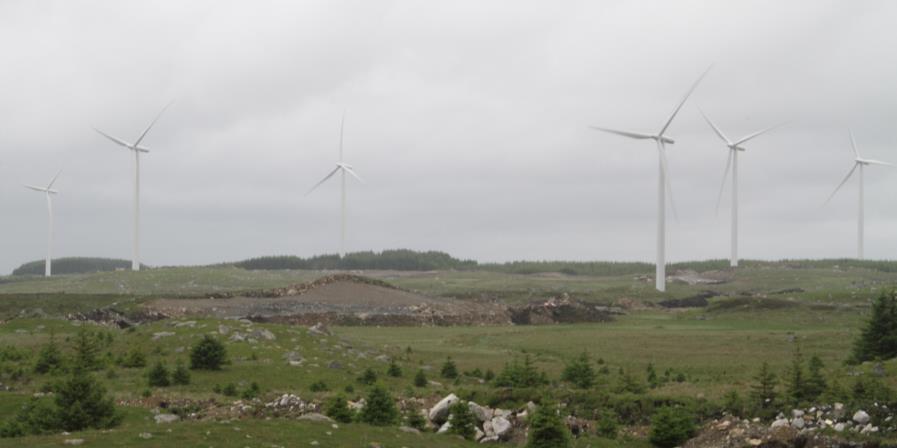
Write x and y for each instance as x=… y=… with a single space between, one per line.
x=74 y=442
x=779 y=423
x=315 y=417
x=166 y=418
x=861 y=417
x=162 y=334
x=501 y=426
x=440 y=412
x=487 y=428
x=482 y=413
x=797 y=423
x=263 y=333
x=839 y=427
x=444 y=428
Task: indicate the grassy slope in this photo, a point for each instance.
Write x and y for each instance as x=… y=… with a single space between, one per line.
x=821 y=284
x=267 y=367
x=717 y=350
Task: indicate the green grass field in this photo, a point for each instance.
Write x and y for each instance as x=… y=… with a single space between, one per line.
x=760 y=316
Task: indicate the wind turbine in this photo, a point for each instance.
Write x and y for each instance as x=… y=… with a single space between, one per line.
x=663 y=182
x=732 y=162
x=49 y=192
x=137 y=149
x=342 y=168
x=860 y=163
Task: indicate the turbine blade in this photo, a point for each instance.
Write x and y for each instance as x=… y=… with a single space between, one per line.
x=722 y=187
x=853 y=144
x=846 y=178
x=681 y=103
x=342 y=124
x=152 y=123
x=40 y=189
x=352 y=172
x=116 y=140
x=54 y=179
x=759 y=133
x=624 y=133
x=666 y=176
x=878 y=162
x=715 y=128
x=323 y=180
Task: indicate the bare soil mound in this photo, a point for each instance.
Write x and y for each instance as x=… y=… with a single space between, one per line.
x=339 y=299
x=352 y=300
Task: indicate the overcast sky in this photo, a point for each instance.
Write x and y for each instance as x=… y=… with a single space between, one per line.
x=468 y=121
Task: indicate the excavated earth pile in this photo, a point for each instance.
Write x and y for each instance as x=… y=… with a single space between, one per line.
x=344 y=299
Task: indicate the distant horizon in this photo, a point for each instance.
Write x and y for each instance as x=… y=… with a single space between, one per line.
x=478 y=262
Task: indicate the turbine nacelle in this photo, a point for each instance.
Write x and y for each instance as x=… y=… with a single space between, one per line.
x=664 y=139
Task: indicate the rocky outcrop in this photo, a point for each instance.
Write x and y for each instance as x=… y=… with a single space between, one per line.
x=562 y=309
x=816 y=427
x=493 y=425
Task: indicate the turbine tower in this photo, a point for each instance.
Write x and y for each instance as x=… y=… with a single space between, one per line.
x=137 y=149
x=860 y=163
x=663 y=182
x=49 y=192
x=342 y=168
x=732 y=162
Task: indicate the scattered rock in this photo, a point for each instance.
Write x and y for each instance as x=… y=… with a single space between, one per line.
x=145 y=436
x=74 y=442
x=440 y=412
x=316 y=417
x=501 y=426
x=319 y=329
x=162 y=334
x=263 y=333
x=166 y=418
x=409 y=429
x=861 y=417
x=480 y=412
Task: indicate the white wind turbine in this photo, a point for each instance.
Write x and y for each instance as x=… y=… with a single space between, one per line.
x=342 y=168
x=860 y=163
x=663 y=182
x=732 y=162
x=137 y=149
x=49 y=192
